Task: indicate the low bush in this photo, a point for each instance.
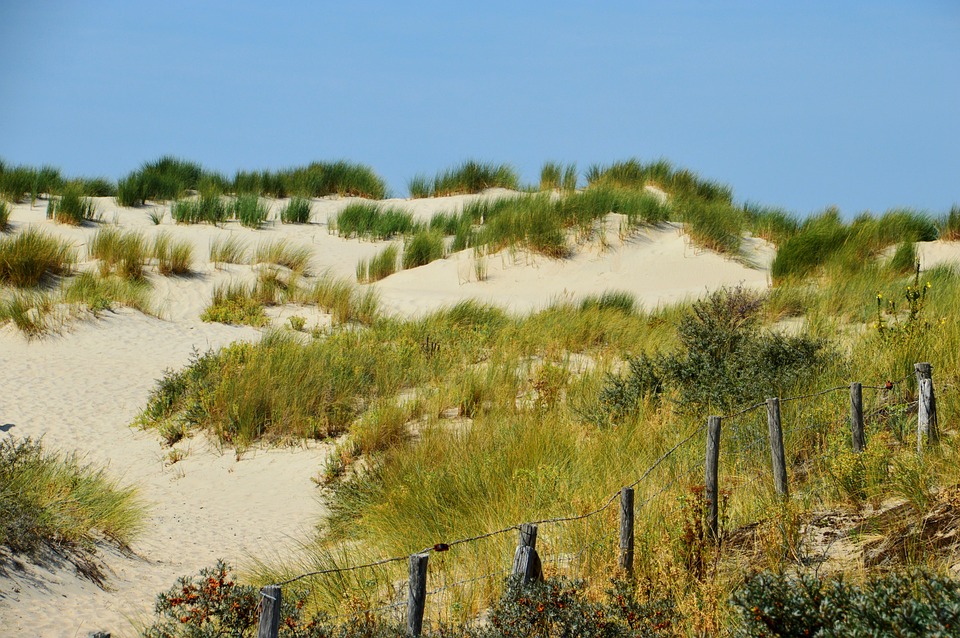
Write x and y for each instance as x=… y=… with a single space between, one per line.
x=297 y=211
x=912 y=604
x=29 y=257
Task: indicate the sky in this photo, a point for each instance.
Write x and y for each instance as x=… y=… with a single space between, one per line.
x=802 y=105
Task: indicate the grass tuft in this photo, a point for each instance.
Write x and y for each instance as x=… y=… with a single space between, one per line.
x=282 y=253
x=72 y=207
x=249 y=211
x=124 y=253
x=173 y=257
x=423 y=248
x=29 y=257
x=297 y=211
x=378 y=267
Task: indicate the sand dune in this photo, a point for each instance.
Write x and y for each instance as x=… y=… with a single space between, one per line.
x=80 y=390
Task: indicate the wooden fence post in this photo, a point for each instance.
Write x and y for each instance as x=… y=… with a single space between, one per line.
x=777 y=455
x=626 y=529
x=927 y=426
x=711 y=472
x=416 y=594
x=270 y=599
x=526 y=561
x=856 y=417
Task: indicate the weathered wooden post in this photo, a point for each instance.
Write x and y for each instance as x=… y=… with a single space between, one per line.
x=711 y=473
x=626 y=529
x=416 y=594
x=777 y=455
x=270 y=599
x=526 y=561
x=927 y=426
x=856 y=417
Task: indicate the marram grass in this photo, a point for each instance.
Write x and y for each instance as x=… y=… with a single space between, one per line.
x=29 y=257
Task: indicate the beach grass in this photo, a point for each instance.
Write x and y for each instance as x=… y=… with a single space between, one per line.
x=556 y=176
x=120 y=252
x=249 y=210
x=371 y=221
x=378 y=267
x=4 y=216
x=92 y=292
x=467 y=177
x=30 y=257
x=230 y=249
x=236 y=303
x=208 y=208
x=283 y=253
x=297 y=211
x=419 y=186
x=58 y=501
x=72 y=207
x=173 y=257
x=423 y=248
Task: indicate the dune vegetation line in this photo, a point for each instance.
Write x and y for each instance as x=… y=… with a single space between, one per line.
x=470 y=419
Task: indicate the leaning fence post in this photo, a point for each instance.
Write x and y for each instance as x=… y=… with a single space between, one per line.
x=270 y=599
x=626 y=529
x=416 y=594
x=777 y=455
x=856 y=417
x=526 y=561
x=926 y=407
x=711 y=471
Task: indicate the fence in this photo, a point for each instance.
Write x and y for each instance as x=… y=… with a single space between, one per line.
x=564 y=543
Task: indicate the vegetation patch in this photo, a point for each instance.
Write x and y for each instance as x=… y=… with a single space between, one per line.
x=29 y=257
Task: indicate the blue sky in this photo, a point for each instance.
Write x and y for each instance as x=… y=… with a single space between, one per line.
x=803 y=104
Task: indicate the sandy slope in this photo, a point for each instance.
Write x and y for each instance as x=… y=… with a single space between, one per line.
x=80 y=391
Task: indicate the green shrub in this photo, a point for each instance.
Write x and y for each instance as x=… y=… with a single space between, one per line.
x=30 y=256
x=71 y=207
x=173 y=257
x=56 y=501
x=297 y=211
x=422 y=249
x=914 y=604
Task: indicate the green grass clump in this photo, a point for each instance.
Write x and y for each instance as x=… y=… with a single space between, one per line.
x=173 y=257
x=556 y=176
x=611 y=300
x=97 y=187
x=71 y=207
x=282 y=253
x=124 y=253
x=423 y=248
x=378 y=267
x=334 y=178
x=260 y=183
x=468 y=177
x=342 y=300
x=773 y=224
x=297 y=211
x=208 y=207
x=167 y=178
x=30 y=310
x=49 y=500
x=680 y=183
x=96 y=293
x=369 y=220
x=236 y=304
x=419 y=186
x=228 y=250
x=4 y=216
x=949 y=225
x=18 y=182
x=715 y=225
x=249 y=211
x=29 y=257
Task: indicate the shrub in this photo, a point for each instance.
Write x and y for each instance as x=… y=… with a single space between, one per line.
x=28 y=257
x=249 y=211
x=173 y=257
x=297 y=211
x=71 y=207
x=913 y=604
x=422 y=249
x=724 y=359
x=57 y=501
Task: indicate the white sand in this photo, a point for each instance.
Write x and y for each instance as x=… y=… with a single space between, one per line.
x=81 y=390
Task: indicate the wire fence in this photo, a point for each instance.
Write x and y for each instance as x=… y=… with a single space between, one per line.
x=465 y=575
